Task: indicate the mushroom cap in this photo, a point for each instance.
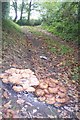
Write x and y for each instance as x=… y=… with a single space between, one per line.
x=51 y=100
x=61 y=100
x=5 y=80
x=48 y=95
x=39 y=92
x=14 y=79
x=4 y=75
x=54 y=80
x=53 y=90
x=30 y=89
x=42 y=98
x=43 y=85
x=46 y=91
x=52 y=84
x=61 y=94
x=17 y=88
x=62 y=89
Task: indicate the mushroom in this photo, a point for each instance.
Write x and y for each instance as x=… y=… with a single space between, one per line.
x=53 y=90
x=14 y=80
x=39 y=92
x=5 y=80
x=61 y=100
x=17 y=88
x=4 y=75
x=51 y=100
x=54 y=80
x=46 y=91
x=52 y=84
x=43 y=85
x=30 y=89
x=62 y=89
x=61 y=94
x=42 y=98
x=48 y=95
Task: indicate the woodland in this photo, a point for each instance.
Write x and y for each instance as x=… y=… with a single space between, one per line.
x=39 y=59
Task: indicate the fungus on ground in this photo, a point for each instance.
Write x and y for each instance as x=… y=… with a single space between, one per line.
x=49 y=90
x=22 y=79
x=52 y=91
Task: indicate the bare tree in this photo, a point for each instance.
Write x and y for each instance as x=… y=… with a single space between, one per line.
x=15 y=9
x=29 y=10
x=22 y=7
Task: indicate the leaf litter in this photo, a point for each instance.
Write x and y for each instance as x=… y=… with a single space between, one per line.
x=52 y=68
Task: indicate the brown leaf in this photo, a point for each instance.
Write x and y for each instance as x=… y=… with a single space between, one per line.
x=7 y=105
x=5 y=95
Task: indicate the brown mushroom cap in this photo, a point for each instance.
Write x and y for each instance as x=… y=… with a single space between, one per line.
x=54 y=80
x=48 y=95
x=4 y=75
x=51 y=100
x=61 y=100
x=62 y=89
x=53 y=90
x=61 y=94
x=43 y=85
x=39 y=92
x=46 y=91
x=5 y=80
x=52 y=84
x=14 y=80
x=30 y=89
x=42 y=98
x=17 y=88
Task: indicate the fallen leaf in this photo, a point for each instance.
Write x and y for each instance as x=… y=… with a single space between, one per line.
x=7 y=105
x=5 y=95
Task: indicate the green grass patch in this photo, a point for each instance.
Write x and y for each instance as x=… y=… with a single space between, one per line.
x=10 y=26
x=53 y=45
x=11 y=34
x=58 y=48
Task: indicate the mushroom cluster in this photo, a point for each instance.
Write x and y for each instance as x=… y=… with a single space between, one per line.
x=52 y=92
x=22 y=79
x=49 y=90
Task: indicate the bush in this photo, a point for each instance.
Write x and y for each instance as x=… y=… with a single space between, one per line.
x=32 y=22
x=22 y=22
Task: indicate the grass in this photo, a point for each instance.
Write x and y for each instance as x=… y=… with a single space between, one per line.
x=11 y=34
x=10 y=25
x=53 y=45
x=58 y=48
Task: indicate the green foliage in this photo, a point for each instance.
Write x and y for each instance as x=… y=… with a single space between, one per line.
x=9 y=26
x=58 y=48
x=10 y=32
x=32 y=22
x=61 y=19
x=75 y=73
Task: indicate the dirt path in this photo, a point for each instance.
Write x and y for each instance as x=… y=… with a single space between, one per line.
x=35 y=56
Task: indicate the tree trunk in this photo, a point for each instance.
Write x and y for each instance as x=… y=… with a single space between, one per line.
x=29 y=11
x=22 y=9
x=5 y=10
x=15 y=8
